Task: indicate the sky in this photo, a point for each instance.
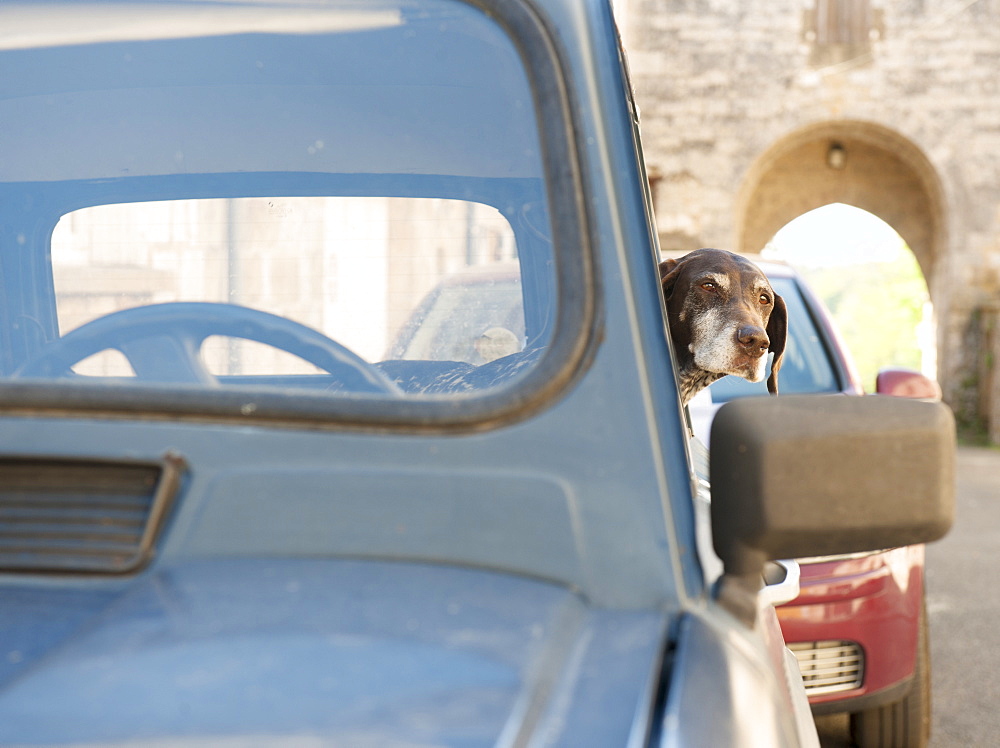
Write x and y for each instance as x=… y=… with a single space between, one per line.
x=834 y=235
x=838 y=237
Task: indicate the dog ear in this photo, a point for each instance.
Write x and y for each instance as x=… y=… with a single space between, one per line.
x=668 y=276
x=777 y=333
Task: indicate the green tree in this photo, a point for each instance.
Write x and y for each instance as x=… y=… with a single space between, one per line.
x=878 y=308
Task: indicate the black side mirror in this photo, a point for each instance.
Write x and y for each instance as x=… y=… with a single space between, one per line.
x=809 y=475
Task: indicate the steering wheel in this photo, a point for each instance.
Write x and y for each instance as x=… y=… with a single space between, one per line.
x=162 y=343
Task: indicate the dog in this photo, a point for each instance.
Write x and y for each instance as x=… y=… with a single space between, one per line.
x=724 y=317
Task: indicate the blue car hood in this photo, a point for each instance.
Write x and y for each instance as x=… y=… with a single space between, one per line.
x=323 y=652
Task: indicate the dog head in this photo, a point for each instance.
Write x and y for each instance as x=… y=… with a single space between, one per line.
x=724 y=317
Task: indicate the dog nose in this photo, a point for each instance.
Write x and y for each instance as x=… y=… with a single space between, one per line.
x=752 y=337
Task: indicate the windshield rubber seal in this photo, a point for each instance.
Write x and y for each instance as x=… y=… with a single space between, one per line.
x=568 y=354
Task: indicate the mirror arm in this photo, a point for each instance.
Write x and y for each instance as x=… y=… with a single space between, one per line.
x=738 y=593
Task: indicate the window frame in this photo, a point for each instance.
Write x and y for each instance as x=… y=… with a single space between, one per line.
x=573 y=334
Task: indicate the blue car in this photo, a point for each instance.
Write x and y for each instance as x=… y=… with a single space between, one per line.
x=247 y=500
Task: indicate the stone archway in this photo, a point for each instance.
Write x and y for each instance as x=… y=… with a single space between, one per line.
x=860 y=164
x=857 y=163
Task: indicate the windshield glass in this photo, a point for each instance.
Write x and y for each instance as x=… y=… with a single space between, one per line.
x=387 y=278
x=343 y=199
x=806 y=367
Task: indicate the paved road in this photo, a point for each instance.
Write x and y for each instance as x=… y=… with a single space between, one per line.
x=963 y=600
x=963 y=578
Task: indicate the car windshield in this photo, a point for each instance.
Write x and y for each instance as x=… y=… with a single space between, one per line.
x=340 y=198
x=806 y=367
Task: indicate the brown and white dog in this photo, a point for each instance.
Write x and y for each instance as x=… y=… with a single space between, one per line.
x=724 y=317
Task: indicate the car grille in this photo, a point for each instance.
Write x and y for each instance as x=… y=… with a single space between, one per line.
x=81 y=515
x=829 y=666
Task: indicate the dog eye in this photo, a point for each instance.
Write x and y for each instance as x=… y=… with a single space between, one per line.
x=708 y=286
x=765 y=299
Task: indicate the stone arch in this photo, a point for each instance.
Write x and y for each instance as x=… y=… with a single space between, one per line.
x=854 y=162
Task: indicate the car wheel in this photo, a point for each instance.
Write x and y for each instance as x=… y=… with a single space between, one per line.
x=905 y=723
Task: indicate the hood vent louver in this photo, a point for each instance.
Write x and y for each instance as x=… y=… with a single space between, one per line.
x=90 y=516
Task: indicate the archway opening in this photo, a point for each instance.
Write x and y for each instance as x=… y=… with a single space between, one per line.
x=870 y=281
x=869 y=167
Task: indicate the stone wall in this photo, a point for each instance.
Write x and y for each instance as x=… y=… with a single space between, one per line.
x=741 y=102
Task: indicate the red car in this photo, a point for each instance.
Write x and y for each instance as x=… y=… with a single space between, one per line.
x=858 y=626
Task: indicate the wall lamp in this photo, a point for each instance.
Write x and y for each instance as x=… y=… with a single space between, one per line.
x=836 y=156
